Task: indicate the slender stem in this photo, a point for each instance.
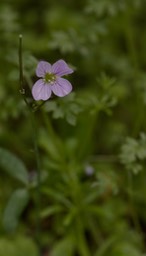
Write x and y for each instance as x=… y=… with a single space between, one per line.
x=129 y=35
x=132 y=205
x=38 y=186
x=36 y=150
x=20 y=63
x=21 y=77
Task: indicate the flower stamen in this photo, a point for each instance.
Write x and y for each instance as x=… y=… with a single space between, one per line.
x=49 y=78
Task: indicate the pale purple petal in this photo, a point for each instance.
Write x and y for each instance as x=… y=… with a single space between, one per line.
x=60 y=68
x=43 y=67
x=61 y=87
x=41 y=91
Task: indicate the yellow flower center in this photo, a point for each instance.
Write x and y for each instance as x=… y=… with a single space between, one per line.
x=49 y=78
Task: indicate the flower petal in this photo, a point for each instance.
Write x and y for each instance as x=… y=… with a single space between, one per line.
x=61 y=87
x=41 y=91
x=43 y=67
x=61 y=68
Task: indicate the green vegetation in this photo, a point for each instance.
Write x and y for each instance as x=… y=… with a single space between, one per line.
x=92 y=143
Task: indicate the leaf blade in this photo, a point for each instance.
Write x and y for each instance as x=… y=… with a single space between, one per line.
x=13 y=166
x=14 y=208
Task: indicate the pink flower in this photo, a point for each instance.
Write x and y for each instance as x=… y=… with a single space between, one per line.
x=51 y=80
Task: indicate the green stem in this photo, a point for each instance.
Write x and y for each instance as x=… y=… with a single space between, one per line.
x=21 y=77
x=76 y=195
x=129 y=35
x=132 y=205
x=36 y=150
x=38 y=186
x=20 y=63
x=82 y=243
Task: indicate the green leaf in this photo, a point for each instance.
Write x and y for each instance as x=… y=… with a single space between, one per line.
x=102 y=250
x=64 y=247
x=57 y=196
x=16 y=246
x=14 y=208
x=13 y=166
x=52 y=210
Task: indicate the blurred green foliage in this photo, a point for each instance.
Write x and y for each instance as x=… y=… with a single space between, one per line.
x=16 y=246
x=92 y=143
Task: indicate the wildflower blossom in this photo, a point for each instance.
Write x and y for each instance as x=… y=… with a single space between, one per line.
x=89 y=170
x=51 y=80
